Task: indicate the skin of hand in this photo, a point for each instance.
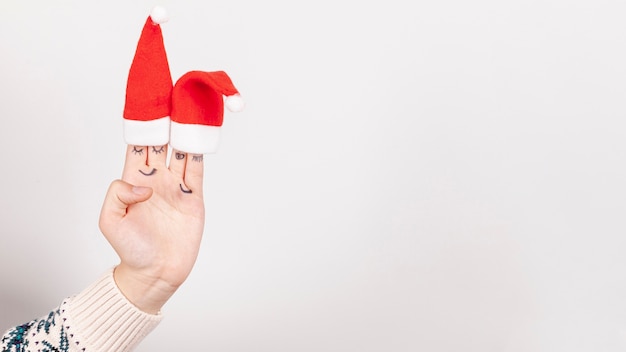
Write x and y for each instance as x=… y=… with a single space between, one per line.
x=154 y=218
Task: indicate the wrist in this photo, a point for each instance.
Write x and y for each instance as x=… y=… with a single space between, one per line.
x=147 y=292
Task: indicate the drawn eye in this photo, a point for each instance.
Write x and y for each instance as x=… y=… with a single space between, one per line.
x=158 y=151
x=137 y=151
x=197 y=157
x=180 y=156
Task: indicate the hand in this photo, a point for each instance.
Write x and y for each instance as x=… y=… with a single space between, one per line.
x=154 y=218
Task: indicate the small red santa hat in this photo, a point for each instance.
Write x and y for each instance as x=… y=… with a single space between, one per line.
x=149 y=87
x=198 y=110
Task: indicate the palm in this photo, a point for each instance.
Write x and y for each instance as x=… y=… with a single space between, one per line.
x=160 y=237
x=167 y=228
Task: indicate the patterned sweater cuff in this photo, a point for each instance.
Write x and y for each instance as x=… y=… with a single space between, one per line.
x=100 y=318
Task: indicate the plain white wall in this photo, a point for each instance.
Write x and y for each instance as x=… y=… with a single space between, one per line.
x=407 y=176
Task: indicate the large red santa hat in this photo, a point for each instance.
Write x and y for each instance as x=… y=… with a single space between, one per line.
x=149 y=87
x=198 y=110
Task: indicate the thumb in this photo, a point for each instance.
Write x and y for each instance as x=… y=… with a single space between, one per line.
x=119 y=197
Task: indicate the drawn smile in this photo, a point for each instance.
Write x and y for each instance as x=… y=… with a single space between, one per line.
x=148 y=173
x=183 y=189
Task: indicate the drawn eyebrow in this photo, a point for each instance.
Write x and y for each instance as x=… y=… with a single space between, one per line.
x=158 y=151
x=137 y=151
x=154 y=170
x=184 y=190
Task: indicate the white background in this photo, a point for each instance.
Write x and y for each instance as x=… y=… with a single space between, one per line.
x=407 y=176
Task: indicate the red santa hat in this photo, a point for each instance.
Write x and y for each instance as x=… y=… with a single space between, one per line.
x=149 y=87
x=198 y=110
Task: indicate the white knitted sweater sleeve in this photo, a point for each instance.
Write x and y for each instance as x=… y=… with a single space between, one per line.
x=99 y=319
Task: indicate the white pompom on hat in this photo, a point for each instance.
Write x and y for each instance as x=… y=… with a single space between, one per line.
x=159 y=15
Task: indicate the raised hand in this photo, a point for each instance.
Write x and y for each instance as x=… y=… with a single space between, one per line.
x=154 y=219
